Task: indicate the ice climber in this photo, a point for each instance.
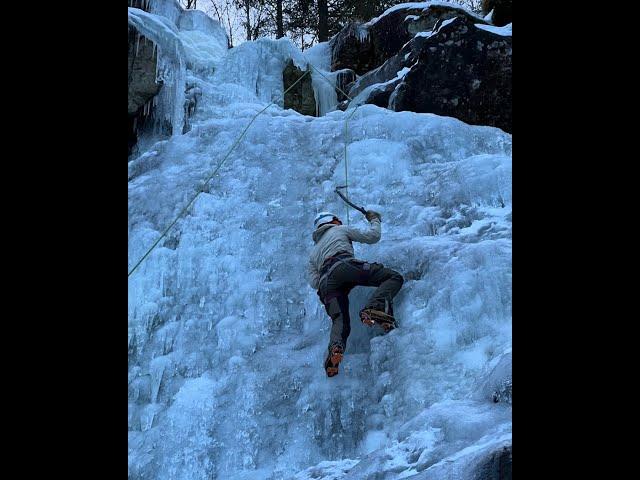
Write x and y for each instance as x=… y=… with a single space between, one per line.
x=333 y=272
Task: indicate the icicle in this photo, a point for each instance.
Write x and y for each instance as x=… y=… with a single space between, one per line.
x=324 y=92
x=168 y=52
x=157 y=372
x=135 y=124
x=137 y=43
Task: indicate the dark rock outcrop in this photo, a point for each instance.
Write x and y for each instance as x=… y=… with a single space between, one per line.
x=142 y=85
x=457 y=68
x=497 y=466
x=363 y=47
x=343 y=105
x=379 y=95
x=390 y=68
x=502 y=14
x=352 y=49
x=344 y=81
x=301 y=97
x=462 y=71
x=141 y=71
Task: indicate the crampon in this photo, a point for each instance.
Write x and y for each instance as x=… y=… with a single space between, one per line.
x=370 y=317
x=333 y=360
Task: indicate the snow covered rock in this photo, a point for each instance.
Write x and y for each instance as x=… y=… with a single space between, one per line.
x=167 y=110
x=166 y=44
x=460 y=69
x=468 y=70
x=490 y=462
x=142 y=64
x=365 y=46
x=142 y=84
x=452 y=440
x=497 y=385
x=369 y=85
x=432 y=58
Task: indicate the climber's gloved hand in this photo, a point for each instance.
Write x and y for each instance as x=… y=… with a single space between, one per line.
x=371 y=215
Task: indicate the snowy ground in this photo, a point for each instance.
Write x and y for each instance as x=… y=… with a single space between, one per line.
x=226 y=339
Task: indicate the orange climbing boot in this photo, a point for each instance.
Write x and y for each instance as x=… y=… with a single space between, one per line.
x=334 y=357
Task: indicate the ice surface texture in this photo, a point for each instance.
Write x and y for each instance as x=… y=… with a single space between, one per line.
x=226 y=339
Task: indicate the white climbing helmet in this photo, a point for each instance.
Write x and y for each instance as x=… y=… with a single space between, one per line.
x=323 y=217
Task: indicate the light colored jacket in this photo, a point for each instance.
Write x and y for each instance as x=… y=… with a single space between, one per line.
x=331 y=239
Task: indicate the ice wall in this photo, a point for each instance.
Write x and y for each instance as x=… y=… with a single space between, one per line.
x=226 y=339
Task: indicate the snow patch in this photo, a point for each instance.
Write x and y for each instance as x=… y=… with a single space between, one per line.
x=504 y=31
x=423 y=5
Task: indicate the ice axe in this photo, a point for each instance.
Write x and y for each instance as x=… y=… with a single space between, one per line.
x=360 y=209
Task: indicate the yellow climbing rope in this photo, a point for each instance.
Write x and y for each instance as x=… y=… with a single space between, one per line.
x=346 y=137
x=166 y=230
x=206 y=181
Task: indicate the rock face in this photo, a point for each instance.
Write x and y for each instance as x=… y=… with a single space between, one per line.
x=379 y=96
x=498 y=385
x=363 y=47
x=301 y=98
x=386 y=72
x=142 y=85
x=141 y=71
x=502 y=14
x=463 y=72
x=352 y=49
x=497 y=466
x=344 y=81
x=439 y=59
x=166 y=42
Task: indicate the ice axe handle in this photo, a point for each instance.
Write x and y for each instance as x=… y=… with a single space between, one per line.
x=360 y=209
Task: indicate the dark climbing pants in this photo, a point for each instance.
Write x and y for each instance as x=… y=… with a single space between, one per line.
x=335 y=287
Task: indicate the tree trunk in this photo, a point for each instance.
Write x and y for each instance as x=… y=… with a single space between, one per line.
x=279 y=20
x=365 y=11
x=323 y=21
x=247 y=9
